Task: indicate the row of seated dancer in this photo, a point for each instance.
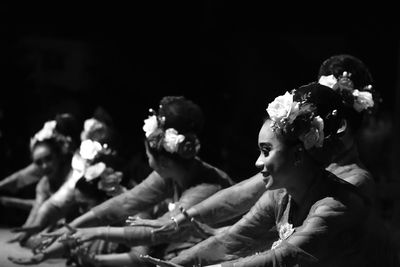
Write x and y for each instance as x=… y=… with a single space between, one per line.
x=312 y=203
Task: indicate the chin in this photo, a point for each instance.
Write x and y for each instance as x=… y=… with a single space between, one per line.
x=269 y=182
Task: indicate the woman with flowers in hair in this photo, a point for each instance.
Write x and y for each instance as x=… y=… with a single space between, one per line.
x=97 y=140
x=51 y=149
x=343 y=161
x=321 y=220
x=180 y=179
x=100 y=182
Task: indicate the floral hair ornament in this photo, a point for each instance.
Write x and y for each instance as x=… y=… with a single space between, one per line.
x=187 y=146
x=91 y=149
x=89 y=126
x=360 y=100
x=49 y=131
x=109 y=178
x=296 y=119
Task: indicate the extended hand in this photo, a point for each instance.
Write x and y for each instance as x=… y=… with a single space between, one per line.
x=28 y=230
x=202 y=229
x=50 y=238
x=158 y=262
x=35 y=259
x=137 y=221
x=20 y=237
x=83 y=235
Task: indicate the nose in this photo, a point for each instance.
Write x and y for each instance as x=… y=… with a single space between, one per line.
x=260 y=163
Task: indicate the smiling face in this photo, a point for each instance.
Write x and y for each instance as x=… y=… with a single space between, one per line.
x=46 y=159
x=276 y=159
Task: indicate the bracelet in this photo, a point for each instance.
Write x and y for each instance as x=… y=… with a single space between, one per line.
x=176 y=223
x=184 y=212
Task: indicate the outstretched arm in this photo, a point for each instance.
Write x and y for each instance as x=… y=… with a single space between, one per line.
x=228 y=203
x=21 y=178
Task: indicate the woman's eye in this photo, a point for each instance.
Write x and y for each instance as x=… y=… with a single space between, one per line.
x=264 y=151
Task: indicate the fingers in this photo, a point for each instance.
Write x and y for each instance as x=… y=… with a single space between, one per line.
x=21 y=229
x=21 y=261
x=199 y=228
x=51 y=235
x=14 y=239
x=162 y=229
x=150 y=259
x=45 y=244
x=158 y=262
x=70 y=228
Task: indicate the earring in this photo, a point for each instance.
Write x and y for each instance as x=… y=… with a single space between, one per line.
x=297 y=162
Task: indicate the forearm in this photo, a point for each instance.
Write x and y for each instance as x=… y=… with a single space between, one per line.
x=117 y=260
x=131 y=236
x=230 y=202
x=46 y=215
x=55 y=251
x=32 y=214
x=21 y=178
x=25 y=204
x=89 y=219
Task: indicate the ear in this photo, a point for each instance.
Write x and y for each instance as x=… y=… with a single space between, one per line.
x=164 y=162
x=343 y=127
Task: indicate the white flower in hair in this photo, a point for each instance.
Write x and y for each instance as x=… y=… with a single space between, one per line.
x=95 y=171
x=172 y=140
x=90 y=125
x=78 y=163
x=89 y=149
x=283 y=107
x=315 y=136
x=150 y=125
x=46 y=132
x=329 y=81
x=362 y=100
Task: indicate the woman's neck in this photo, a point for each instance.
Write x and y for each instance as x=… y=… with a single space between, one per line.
x=59 y=177
x=304 y=178
x=184 y=174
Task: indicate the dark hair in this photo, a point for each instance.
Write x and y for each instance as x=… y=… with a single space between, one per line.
x=67 y=125
x=53 y=144
x=106 y=134
x=360 y=76
x=181 y=114
x=328 y=103
x=64 y=139
x=186 y=118
x=337 y=64
x=90 y=189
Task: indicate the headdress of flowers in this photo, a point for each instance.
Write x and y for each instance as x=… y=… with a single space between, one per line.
x=90 y=125
x=89 y=151
x=187 y=146
x=360 y=99
x=49 y=131
x=109 y=179
x=297 y=119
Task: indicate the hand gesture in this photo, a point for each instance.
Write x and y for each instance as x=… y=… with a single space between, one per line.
x=202 y=229
x=158 y=262
x=33 y=260
x=137 y=221
x=28 y=230
x=82 y=235
x=50 y=238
